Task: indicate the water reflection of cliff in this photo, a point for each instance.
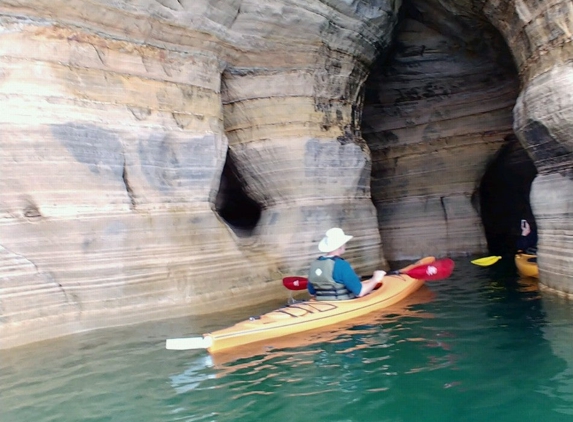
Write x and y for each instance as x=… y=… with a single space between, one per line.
x=537 y=336
x=559 y=334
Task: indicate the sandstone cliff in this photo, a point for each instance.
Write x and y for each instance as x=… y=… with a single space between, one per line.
x=130 y=127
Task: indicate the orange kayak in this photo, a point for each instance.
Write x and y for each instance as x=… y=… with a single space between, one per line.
x=527 y=265
x=305 y=315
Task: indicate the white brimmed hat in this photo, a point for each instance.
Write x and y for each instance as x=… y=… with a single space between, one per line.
x=333 y=240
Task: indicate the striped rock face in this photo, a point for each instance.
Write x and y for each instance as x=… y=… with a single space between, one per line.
x=161 y=158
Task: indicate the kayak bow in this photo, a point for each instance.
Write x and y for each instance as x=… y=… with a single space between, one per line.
x=527 y=265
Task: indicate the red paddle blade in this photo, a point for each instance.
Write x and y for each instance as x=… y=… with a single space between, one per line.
x=437 y=270
x=295 y=283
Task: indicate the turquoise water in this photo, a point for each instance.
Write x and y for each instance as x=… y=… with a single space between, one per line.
x=480 y=346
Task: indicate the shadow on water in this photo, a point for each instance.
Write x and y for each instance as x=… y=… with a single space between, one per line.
x=481 y=345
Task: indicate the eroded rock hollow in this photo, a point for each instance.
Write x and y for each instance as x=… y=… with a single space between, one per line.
x=162 y=158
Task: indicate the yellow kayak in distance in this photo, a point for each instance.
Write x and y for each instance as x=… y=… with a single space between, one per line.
x=527 y=265
x=312 y=314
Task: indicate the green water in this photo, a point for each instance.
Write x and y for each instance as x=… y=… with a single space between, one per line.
x=480 y=346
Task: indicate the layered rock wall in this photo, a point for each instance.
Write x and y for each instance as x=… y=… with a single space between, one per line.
x=291 y=122
x=112 y=146
x=117 y=119
x=455 y=85
x=541 y=42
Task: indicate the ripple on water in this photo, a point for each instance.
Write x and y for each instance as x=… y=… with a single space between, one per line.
x=475 y=347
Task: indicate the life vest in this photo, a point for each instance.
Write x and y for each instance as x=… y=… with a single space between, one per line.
x=320 y=276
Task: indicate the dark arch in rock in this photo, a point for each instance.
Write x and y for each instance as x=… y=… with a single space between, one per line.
x=234 y=206
x=438 y=106
x=504 y=197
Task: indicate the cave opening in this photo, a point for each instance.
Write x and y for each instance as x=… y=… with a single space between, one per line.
x=437 y=105
x=233 y=204
x=504 y=197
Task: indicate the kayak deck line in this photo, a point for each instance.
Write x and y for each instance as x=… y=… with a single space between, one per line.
x=308 y=311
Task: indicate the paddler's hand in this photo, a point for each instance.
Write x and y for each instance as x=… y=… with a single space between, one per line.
x=370 y=284
x=378 y=275
x=525 y=228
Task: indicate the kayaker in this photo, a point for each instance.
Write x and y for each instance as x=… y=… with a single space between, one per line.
x=527 y=242
x=331 y=277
